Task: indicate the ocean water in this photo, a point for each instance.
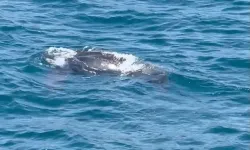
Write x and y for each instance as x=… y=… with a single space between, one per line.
x=204 y=46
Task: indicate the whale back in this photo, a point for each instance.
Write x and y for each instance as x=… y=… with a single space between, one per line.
x=103 y=62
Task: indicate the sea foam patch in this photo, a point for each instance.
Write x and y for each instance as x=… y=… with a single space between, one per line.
x=131 y=63
x=58 y=56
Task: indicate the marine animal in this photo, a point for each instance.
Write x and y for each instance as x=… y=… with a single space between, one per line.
x=97 y=62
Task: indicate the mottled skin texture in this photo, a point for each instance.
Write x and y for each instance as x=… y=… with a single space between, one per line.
x=94 y=62
x=88 y=62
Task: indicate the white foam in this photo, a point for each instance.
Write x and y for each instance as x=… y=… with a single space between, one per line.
x=131 y=63
x=57 y=56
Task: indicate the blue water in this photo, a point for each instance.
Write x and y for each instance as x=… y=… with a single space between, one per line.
x=204 y=46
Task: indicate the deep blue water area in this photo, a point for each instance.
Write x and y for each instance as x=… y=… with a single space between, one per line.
x=203 y=45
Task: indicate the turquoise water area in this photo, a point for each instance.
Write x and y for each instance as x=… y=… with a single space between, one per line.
x=204 y=46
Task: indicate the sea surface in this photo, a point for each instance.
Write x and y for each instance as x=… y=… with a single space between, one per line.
x=203 y=45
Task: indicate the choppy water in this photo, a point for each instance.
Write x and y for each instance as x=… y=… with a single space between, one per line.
x=203 y=45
